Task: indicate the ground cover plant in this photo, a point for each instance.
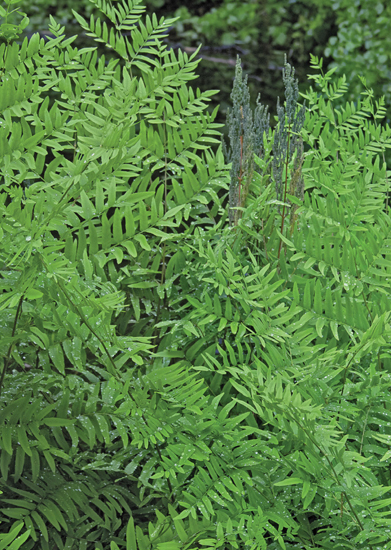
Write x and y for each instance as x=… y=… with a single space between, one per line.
x=195 y=338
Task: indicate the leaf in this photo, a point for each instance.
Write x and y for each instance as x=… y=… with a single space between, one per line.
x=40 y=524
x=35 y=464
x=143 y=242
x=13 y=540
x=106 y=233
x=55 y=422
x=6 y=439
x=309 y=497
x=39 y=337
x=307 y=296
x=289 y=481
x=117 y=226
x=5 y=460
x=57 y=356
x=334 y=329
x=320 y=322
x=50 y=460
x=19 y=463
x=88 y=208
x=241 y=389
x=33 y=294
x=131 y=249
x=121 y=430
x=306 y=488
x=23 y=440
x=386 y=456
x=285 y=240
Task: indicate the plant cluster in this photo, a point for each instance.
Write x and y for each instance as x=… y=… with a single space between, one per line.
x=195 y=353
x=353 y=35
x=361 y=45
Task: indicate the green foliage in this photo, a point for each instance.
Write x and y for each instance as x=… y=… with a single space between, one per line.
x=105 y=168
x=169 y=380
x=41 y=10
x=226 y=23
x=362 y=44
x=300 y=340
x=8 y=30
x=353 y=35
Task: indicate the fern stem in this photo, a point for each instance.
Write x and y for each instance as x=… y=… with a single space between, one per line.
x=264 y=240
x=285 y=190
x=388 y=185
x=88 y=325
x=365 y=300
x=313 y=441
x=163 y=273
x=365 y=426
x=8 y=358
x=168 y=479
x=114 y=372
x=240 y=177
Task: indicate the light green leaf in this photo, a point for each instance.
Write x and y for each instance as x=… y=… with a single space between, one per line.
x=289 y=481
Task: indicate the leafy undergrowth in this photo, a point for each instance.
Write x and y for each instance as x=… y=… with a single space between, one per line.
x=195 y=353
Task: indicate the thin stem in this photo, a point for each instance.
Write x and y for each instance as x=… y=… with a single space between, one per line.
x=8 y=358
x=241 y=169
x=313 y=441
x=163 y=273
x=89 y=326
x=264 y=241
x=285 y=190
x=83 y=318
x=237 y=212
x=363 y=431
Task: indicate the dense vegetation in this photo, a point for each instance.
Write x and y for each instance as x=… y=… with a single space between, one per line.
x=351 y=35
x=195 y=337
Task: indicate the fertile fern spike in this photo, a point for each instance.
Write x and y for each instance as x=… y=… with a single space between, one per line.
x=246 y=134
x=290 y=122
x=246 y=138
x=261 y=127
x=297 y=181
x=240 y=124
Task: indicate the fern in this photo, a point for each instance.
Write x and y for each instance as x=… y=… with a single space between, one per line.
x=169 y=382
x=310 y=328
x=92 y=178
